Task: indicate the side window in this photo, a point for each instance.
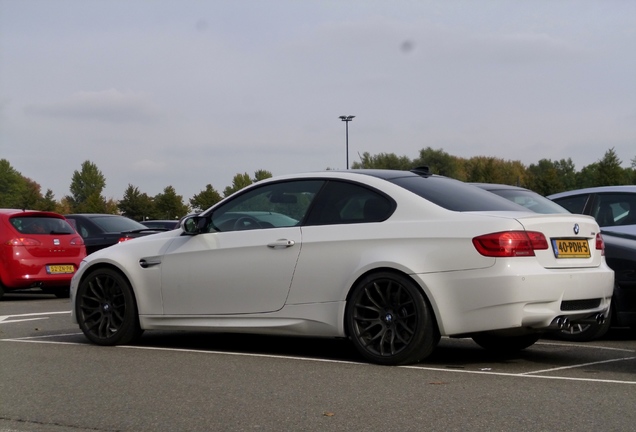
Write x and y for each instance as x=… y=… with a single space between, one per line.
x=344 y=203
x=79 y=227
x=574 y=204
x=274 y=205
x=615 y=209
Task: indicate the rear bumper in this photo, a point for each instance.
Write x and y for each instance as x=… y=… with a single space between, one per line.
x=27 y=276
x=516 y=294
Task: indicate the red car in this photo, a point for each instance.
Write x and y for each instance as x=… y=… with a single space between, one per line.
x=38 y=249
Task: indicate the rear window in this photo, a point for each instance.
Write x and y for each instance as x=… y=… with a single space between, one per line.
x=117 y=224
x=455 y=195
x=41 y=225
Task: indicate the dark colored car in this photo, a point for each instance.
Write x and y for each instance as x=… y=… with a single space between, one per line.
x=38 y=249
x=102 y=230
x=620 y=250
x=166 y=225
x=525 y=197
x=614 y=208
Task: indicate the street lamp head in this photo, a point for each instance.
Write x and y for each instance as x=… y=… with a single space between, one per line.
x=347 y=118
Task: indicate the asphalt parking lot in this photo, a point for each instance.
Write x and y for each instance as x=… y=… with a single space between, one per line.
x=53 y=380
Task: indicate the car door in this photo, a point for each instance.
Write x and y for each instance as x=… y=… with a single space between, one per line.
x=246 y=260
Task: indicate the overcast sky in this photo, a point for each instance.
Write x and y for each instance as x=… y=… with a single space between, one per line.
x=190 y=93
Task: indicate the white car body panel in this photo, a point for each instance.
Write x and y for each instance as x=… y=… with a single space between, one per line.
x=235 y=282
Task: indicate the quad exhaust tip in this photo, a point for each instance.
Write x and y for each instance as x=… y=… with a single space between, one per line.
x=561 y=323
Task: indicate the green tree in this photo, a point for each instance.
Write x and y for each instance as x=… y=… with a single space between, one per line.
x=169 y=205
x=12 y=186
x=543 y=178
x=48 y=202
x=587 y=176
x=261 y=175
x=567 y=174
x=31 y=195
x=137 y=205
x=238 y=182
x=205 y=199
x=383 y=161
x=86 y=190
x=440 y=163
x=609 y=170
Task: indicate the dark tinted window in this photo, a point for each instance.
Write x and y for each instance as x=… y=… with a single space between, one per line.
x=455 y=195
x=574 y=204
x=530 y=200
x=116 y=224
x=41 y=225
x=615 y=209
x=343 y=202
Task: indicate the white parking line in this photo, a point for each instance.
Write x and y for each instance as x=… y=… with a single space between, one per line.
x=413 y=367
x=577 y=366
x=4 y=319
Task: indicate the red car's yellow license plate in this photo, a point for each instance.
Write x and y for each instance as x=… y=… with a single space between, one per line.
x=60 y=269
x=566 y=248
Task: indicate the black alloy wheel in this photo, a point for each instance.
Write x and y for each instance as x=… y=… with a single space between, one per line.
x=389 y=321
x=106 y=309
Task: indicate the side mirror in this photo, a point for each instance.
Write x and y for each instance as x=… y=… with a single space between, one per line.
x=194 y=225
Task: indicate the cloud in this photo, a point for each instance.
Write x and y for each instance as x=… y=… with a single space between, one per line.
x=108 y=106
x=149 y=166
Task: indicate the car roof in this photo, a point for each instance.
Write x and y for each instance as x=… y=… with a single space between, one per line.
x=13 y=212
x=90 y=215
x=598 y=189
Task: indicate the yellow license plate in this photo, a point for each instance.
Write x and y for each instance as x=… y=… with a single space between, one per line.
x=60 y=269
x=568 y=248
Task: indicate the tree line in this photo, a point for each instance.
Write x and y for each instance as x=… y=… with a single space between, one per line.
x=87 y=184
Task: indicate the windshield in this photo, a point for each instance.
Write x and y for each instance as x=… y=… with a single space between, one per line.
x=117 y=224
x=455 y=195
x=530 y=200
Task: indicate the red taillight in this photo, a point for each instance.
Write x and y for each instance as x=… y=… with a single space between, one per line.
x=600 y=244
x=77 y=241
x=123 y=239
x=510 y=243
x=23 y=241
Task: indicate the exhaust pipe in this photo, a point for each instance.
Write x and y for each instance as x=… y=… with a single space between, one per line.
x=598 y=318
x=560 y=323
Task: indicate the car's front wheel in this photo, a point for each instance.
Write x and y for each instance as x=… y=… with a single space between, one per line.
x=389 y=321
x=106 y=309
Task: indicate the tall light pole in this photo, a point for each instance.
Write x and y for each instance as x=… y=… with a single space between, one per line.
x=347 y=119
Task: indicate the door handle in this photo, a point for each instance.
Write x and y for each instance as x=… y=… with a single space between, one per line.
x=281 y=243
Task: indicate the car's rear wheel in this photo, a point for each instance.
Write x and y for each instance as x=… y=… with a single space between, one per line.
x=389 y=321
x=505 y=344
x=106 y=309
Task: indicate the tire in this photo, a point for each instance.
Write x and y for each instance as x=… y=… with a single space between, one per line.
x=505 y=344
x=389 y=321
x=106 y=309
x=585 y=332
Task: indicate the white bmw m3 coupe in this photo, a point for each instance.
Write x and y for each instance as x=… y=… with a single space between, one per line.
x=392 y=260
